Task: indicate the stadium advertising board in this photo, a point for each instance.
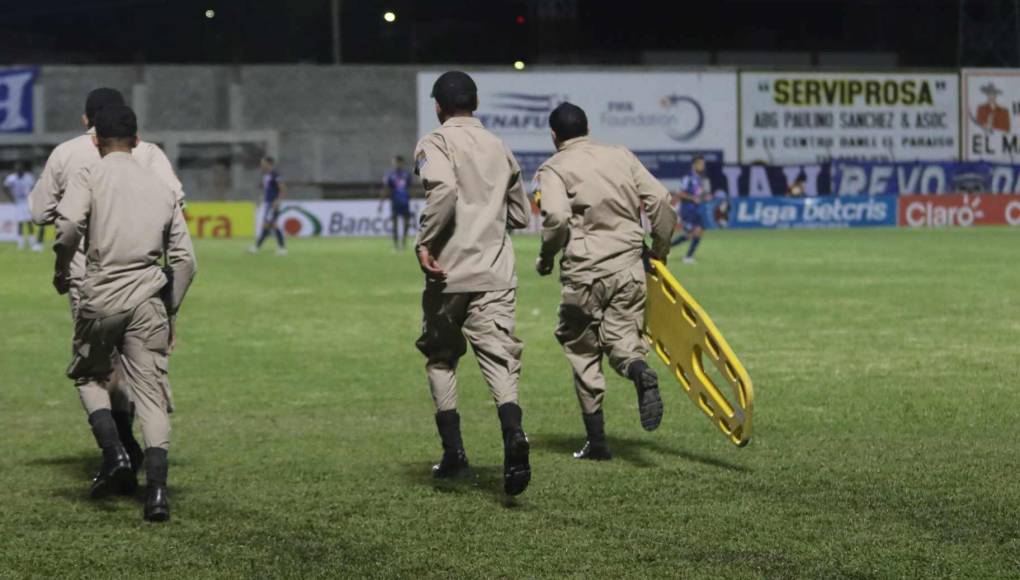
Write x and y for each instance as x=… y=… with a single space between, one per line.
x=653 y=114
x=816 y=117
x=220 y=219
x=767 y=180
x=355 y=218
x=959 y=210
x=855 y=178
x=812 y=212
x=8 y=223
x=16 y=99
x=989 y=110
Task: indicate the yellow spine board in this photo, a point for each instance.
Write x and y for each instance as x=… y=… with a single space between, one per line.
x=685 y=338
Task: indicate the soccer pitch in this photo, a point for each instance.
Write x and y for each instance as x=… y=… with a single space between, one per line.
x=886 y=366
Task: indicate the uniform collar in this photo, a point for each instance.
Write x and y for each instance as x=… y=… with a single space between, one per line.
x=462 y=122
x=572 y=142
x=117 y=154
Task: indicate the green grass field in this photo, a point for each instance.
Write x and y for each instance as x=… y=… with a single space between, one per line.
x=886 y=366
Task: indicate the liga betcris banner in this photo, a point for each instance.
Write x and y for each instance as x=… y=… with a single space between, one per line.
x=959 y=210
x=227 y=219
x=814 y=117
x=813 y=212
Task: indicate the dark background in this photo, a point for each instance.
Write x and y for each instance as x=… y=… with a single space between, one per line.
x=923 y=33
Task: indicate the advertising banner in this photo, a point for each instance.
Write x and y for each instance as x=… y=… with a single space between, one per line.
x=813 y=212
x=8 y=223
x=229 y=219
x=16 y=91
x=959 y=210
x=767 y=180
x=355 y=218
x=990 y=109
x=655 y=114
x=856 y=178
x=816 y=117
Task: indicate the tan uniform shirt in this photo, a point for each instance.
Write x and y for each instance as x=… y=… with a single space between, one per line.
x=70 y=156
x=591 y=197
x=474 y=195
x=129 y=220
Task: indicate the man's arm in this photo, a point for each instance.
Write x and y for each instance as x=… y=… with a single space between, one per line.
x=655 y=200
x=42 y=202
x=7 y=189
x=180 y=259
x=159 y=164
x=440 y=183
x=282 y=186
x=72 y=218
x=518 y=214
x=555 y=211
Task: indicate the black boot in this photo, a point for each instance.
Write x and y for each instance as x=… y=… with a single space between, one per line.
x=115 y=475
x=157 y=508
x=454 y=462
x=516 y=469
x=649 y=401
x=124 y=421
x=595 y=447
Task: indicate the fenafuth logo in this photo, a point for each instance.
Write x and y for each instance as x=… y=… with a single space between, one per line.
x=509 y=111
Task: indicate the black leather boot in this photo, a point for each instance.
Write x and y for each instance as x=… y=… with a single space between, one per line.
x=157 y=507
x=516 y=449
x=649 y=402
x=115 y=474
x=454 y=462
x=595 y=448
x=124 y=421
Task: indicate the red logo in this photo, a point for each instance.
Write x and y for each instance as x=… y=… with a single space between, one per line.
x=959 y=210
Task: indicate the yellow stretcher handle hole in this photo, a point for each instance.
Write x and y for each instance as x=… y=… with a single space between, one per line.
x=663 y=352
x=681 y=375
x=689 y=315
x=669 y=293
x=713 y=346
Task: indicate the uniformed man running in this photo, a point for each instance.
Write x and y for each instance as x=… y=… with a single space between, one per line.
x=129 y=221
x=474 y=195
x=66 y=160
x=591 y=197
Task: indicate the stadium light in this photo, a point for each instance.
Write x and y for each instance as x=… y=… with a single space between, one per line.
x=519 y=64
x=389 y=16
x=210 y=14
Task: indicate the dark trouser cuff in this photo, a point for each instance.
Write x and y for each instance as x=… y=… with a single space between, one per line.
x=595 y=427
x=510 y=415
x=104 y=429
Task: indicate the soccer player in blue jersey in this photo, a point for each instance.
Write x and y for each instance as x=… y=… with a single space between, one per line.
x=274 y=190
x=693 y=188
x=396 y=187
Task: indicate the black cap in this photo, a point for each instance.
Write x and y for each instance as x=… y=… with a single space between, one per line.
x=100 y=98
x=455 y=91
x=116 y=122
x=568 y=121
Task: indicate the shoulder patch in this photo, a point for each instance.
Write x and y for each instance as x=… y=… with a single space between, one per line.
x=420 y=161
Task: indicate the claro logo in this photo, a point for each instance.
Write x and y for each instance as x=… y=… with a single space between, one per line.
x=1013 y=213
x=962 y=211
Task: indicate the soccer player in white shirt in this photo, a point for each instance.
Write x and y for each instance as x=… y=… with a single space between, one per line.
x=18 y=185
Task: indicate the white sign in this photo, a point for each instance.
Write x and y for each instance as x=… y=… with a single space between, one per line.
x=8 y=223
x=990 y=110
x=644 y=112
x=817 y=117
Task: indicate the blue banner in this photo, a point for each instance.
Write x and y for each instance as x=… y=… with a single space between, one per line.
x=813 y=212
x=768 y=180
x=16 y=85
x=909 y=178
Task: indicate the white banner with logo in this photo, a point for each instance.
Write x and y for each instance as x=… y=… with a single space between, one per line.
x=817 y=117
x=646 y=112
x=990 y=110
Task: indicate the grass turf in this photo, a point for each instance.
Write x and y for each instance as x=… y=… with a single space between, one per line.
x=885 y=365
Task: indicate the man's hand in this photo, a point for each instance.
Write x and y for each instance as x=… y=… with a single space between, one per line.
x=543 y=266
x=62 y=282
x=429 y=265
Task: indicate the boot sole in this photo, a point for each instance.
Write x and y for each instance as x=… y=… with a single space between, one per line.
x=158 y=515
x=518 y=471
x=649 y=401
x=122 y=482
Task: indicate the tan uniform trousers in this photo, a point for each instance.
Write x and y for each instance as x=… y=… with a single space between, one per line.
x=140 y=338
x=119 y=399
x=602 y=318
x=484 y=319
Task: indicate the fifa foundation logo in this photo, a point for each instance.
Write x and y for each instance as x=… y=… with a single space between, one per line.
x=680 y=117
x=16 y=100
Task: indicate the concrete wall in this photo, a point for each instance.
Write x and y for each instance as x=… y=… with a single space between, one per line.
x=336 y=128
